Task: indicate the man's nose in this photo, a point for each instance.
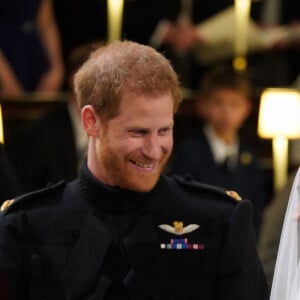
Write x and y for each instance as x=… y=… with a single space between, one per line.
x=152 y=147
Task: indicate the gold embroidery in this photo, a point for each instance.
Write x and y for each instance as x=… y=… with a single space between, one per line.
x=234 y=195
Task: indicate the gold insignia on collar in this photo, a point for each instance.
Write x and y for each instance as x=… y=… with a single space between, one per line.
x=234 y=195
x=178 y=228
x=6 y=204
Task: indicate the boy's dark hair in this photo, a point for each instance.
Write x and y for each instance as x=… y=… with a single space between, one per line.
x=224 y=77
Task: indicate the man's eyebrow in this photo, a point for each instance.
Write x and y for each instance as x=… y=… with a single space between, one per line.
x=141 y=127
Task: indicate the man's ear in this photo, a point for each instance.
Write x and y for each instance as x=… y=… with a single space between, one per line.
x=90 y=120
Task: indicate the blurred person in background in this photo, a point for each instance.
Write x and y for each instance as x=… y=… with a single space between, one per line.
x=30 y=52
x=216 y=154
x=272 y=224
x=53 y=147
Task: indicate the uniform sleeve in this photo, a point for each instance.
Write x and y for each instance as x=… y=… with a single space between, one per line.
x=240 y=273
x=12 y=279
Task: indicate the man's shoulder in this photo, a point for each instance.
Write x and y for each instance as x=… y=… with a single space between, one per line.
x=30 y=199
x=205 y=191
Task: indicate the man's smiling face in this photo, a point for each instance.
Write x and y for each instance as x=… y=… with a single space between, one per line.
x=135 y=145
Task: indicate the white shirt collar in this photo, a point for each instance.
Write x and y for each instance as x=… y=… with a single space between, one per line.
x=219 y=148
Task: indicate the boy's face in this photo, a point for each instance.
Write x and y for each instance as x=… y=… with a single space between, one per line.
x=226 y=110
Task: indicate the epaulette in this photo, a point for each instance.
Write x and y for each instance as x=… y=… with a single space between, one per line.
x=190 y=182
x=7 y=205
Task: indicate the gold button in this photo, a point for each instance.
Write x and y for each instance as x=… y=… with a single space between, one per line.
x=6 y=204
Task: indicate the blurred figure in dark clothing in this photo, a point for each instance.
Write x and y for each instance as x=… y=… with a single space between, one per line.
x=217 y=154
x=54 y=146
x=30 y=53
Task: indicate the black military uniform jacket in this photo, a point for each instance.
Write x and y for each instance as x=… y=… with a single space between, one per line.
x=85 y=240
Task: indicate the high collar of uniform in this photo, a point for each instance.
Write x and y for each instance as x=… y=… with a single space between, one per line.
x=110 y=198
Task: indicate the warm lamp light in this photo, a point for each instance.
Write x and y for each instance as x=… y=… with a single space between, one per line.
x=114 y=19
x=1 y=127
x=242 y=17
x=279 y=119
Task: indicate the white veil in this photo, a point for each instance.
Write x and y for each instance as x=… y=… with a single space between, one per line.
x=286 y=280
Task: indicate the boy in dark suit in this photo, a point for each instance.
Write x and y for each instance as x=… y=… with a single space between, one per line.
x=217 y=155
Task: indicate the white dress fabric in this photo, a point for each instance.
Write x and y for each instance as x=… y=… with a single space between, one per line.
x=286 y=280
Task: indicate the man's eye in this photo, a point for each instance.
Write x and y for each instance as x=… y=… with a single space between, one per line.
x=139 y=132
x=164 y=131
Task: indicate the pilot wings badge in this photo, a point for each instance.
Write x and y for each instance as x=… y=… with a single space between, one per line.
x=178 y=228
